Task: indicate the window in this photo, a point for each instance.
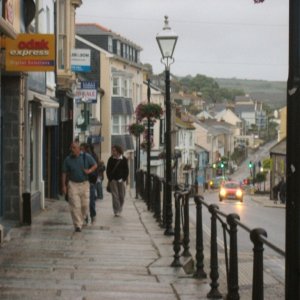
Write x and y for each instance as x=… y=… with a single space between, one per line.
x=116 y=86
x=62 y=38
x=124 y=50
x=110 y=44
x=126 y=54
x=120 y=124
x=122 y=87
x=125 y=87
x=118 y=48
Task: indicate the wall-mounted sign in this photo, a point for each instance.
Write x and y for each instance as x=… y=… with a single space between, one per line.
x=87 y=92
x=30 y=52
x=81 y=60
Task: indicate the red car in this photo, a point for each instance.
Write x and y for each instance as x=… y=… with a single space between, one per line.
x=231 y=190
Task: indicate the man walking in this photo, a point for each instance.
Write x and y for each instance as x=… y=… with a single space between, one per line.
x=76 y=185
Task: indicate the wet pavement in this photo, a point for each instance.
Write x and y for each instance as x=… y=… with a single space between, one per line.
x=125 y=257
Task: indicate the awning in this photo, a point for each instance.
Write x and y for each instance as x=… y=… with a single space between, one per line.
x=121 y=106
x=43 y=100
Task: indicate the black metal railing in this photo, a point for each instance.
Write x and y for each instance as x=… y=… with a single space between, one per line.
x=230 y=224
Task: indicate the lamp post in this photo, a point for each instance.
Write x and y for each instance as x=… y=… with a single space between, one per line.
x=166 y=40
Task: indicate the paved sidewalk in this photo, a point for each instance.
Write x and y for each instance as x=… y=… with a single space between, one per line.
x=266 y=201
x=125 y=257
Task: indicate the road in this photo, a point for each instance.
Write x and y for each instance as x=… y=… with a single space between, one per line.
x=253 y=215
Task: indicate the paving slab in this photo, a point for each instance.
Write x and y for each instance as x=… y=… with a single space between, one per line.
x=127 y=257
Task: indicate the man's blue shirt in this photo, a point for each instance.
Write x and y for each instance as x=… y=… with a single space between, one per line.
x=74 y=166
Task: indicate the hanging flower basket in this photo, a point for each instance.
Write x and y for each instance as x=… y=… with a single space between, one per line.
x=136 y=129
x=148 y=110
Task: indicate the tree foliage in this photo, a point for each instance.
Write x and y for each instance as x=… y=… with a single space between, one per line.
x=208 y=87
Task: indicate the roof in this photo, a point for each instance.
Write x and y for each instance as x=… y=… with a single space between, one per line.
x=94 y=29
x=244 y=108
x=279 y=148
x=182 y=124
x=125 y=141
x=121 y=106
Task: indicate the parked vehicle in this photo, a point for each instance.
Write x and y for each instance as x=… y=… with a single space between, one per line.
x=216 y=182
x=231 y=190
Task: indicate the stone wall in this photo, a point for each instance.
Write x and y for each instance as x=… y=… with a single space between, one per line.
x=11 y=136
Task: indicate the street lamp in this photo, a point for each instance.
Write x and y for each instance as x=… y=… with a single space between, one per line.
x=166 y=40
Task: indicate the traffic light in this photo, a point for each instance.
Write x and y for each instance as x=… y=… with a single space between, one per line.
x=250 y=165
x=214 y=166
x=222 y=165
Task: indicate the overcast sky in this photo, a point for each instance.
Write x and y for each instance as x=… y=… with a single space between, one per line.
x=217 y=38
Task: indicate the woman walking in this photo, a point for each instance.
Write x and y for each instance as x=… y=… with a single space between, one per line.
x=117 y=172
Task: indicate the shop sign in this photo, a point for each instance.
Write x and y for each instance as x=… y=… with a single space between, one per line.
x=30 y=52
x=81 y=60
x=87 y=92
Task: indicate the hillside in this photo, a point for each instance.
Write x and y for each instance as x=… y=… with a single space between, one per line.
x=272 y=93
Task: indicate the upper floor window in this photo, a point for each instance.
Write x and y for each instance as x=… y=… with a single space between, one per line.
x=120 y=124
x=116 y=86
x=62 y=35
x=119 y=48
x=110 y=44
x=122 y=87
x=124 y=50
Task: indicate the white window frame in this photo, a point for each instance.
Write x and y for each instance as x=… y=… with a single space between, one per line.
x=120 y=124
x=119 y=48
x=110 y=44
x=122 y=86
x=116 y=86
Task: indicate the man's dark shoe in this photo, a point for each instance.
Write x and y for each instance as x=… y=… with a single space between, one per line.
x=78 y=229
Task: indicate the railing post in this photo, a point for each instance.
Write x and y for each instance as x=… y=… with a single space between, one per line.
x=176 y=243
x=158 y=215
x=164 y=215
x=186 y=227
x=199 y=273
x=156 y=197
x=233 y=276
x=214 y=274
x=258 y=263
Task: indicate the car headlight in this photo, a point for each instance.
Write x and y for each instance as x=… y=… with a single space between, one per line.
x=222 y=192
x=239 y=193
